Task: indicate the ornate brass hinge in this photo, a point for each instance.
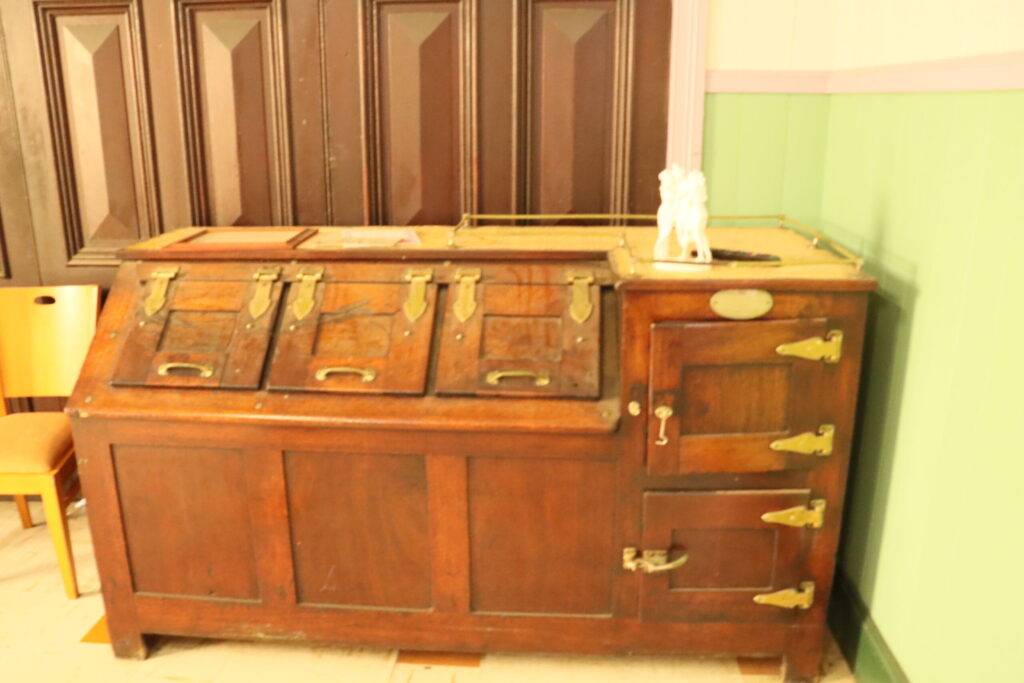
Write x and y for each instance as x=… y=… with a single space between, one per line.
x=580 y=308
x=416 y=302
x=465 y=305
x=799 y=516
x=159 y=279
x=306 y=296
x=809 y=443
x=651 y=561
x=789 y=598
x=829 y=349
x=265 y=278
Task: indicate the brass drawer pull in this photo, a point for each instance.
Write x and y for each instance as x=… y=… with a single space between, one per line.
x=651 y=561
x=663 y=413
x=201 y=369
x=540 y=379
x=368 y=374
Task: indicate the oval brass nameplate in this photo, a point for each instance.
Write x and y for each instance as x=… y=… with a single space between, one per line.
x=741 y=304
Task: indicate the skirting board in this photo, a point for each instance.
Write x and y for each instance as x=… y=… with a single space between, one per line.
x=859 y=638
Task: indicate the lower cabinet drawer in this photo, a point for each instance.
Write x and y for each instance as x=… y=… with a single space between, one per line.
x=725 y=555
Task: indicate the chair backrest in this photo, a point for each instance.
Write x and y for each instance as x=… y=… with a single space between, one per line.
x=44 y=335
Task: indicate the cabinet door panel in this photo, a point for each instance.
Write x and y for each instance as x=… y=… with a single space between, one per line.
x=732 y=554
x=731 y=395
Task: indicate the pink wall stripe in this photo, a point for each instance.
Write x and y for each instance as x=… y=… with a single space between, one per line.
x=985 y=72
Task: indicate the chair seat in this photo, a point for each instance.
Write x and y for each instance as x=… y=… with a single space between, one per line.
x=33 y=443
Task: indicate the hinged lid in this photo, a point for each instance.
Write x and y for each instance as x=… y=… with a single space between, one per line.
x=190 y=332
x=522 y=338
x=355 y=337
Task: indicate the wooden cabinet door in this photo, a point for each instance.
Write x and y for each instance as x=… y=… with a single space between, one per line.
x=521 y=340
x=198 y=333
x=731 y=554
x=356 y=337
x=721 y=395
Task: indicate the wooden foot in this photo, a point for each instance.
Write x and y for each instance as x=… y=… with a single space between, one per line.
x=128 y=645
x=57 y=523
x=802 y=663
x=23 y=511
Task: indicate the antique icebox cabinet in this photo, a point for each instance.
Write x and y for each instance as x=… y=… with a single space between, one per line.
x=477 y=438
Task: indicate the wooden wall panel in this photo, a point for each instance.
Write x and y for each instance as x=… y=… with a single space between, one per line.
x=574 y=90
x=235 y=121
x=98 y=113
x=421 y=111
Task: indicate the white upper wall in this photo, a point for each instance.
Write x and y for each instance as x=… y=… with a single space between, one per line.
x=822 y=35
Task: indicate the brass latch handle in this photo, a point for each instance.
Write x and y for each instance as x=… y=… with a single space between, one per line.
x=540 y=379
x=159 y=279
x=201 y=369
x=651 y=561
x=663 y=413
x=367 y=374
x=808 y=443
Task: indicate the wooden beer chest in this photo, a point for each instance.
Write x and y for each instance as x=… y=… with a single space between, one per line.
x=500 y=439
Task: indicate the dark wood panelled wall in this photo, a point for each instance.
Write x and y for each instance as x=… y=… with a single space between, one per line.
x=121 y=119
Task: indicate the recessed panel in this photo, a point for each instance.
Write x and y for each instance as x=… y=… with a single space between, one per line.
x=517 y=337
x=367 y=336
x=360 y=533
x=713 y=554
x=541 y=536
x=197 y=331
x=725 y=399
x=184 y=536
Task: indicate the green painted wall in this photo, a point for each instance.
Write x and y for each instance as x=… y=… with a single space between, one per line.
x=930 y=189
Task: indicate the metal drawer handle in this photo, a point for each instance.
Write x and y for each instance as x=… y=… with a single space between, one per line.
x=540 y=379
x=202 y=370
x=368 y=375
x=651 y=561
x=663 y=413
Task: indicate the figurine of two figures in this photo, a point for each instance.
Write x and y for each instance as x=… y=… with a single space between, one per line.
x=684 y=212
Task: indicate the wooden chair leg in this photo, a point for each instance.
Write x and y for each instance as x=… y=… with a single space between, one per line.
x=23 y=512
x=57 y=522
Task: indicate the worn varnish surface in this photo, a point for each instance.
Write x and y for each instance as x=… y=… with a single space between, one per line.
x=425 y=505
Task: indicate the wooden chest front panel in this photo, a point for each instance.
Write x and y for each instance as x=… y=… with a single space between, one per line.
x=183 y=537
x=204 y=335
x=732 y=554
x=359 y=529
x=731 y=395
x=541 y=536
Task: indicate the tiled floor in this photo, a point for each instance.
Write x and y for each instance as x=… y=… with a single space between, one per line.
x=41 y=633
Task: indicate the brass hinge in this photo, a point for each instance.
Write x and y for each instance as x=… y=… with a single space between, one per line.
x=306 y=296
x=829 y=349
x=265 y=278
x=799 y=516
x=416 y=302
x=809 y=443
x=789 y=598
x=159 y=279
x=465 y=305
x=580 y=308
x=651 y=561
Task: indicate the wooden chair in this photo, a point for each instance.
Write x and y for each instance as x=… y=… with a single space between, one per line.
x=44 y=335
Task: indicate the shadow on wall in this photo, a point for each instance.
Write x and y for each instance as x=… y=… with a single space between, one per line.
x=886 y=349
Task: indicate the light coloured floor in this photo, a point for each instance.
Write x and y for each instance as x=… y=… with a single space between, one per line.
x=41 y=633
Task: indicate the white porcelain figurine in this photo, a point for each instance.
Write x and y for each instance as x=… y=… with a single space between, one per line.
x=683 y=211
